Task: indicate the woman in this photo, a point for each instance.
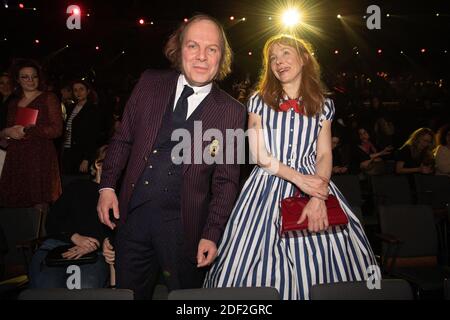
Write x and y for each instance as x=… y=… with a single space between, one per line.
x=293 y=150
x=415 y=156
x=82 y=130
x=366 y=157
x=442 y=152
x=73 y=221
x=30 y=174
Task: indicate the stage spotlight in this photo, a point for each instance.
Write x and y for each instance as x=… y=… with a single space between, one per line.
x=88 y=15
x=141 y=21
x=379 y=51
x=97 y=48
x=401 y=52
x=21 y=5
x=336 y=51
x=6 y=6
x=291 y=17
x=231 y=18
x=423 y=50
x=339 y=16
x=36 y=41
x=76 y=11
x=250 y=53
x=186 y=19
x=388 y=15
x=437 y=14
x=243 y=19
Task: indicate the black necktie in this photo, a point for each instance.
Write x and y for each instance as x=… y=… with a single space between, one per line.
x=180 y=113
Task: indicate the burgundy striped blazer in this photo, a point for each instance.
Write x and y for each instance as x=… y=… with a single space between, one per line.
x=208 y=191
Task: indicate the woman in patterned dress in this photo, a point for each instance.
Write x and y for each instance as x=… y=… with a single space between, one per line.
x=30 y=176
x=290 y=140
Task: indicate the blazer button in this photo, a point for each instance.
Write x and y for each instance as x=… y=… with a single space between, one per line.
x=132 y=185
x=145 y=182
x=155 y=151
x=145 y=158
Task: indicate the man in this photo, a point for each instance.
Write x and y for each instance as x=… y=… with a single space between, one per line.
x=175 y=213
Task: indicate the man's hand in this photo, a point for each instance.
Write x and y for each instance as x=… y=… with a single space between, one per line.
x=108 y=200
x=207 y=252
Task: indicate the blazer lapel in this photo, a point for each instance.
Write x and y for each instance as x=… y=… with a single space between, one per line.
x=153 y=118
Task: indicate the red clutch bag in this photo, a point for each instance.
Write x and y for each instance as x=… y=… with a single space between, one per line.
x=292 y=208
x=26 y=116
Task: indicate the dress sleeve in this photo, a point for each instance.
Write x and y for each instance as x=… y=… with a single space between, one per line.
x=328 y=111
x=255 y=104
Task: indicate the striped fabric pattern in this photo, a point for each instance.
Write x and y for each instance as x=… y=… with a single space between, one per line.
x=252 y=251
x=68 y=138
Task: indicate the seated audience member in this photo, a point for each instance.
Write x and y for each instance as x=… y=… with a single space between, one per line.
x=367 y=160
x=415 y=156
x=341 y=156
x=442 y=151
x=73 y=221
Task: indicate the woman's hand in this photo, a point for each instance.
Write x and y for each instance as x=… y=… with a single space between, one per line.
x=313 y=185
x=108 y=252
x=84 y=166
x=89 y=243
x=76 y=252
x=15 y=132
x=316 y=211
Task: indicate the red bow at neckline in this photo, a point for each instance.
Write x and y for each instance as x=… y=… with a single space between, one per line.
x=294 y=104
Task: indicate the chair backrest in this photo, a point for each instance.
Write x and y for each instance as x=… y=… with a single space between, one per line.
x=18 y=224
x=432 y=190
x=250 y=293
x=81 y=294
x=391 y=189
x=348 y=185
x=390 y=289
x=414 y=226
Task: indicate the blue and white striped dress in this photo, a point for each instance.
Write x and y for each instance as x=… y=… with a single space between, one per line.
x=253 y=253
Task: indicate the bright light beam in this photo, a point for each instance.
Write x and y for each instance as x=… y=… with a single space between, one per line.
x=290 y=17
